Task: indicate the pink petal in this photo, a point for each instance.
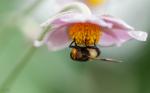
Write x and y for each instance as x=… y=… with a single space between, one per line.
x=117 y=34
x=112 y=37
x=58 y=19
x=107 y=40
x=117 y=23
x=58 y=39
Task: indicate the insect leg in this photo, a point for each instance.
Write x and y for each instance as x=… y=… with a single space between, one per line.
x=94 y=45
x=73 y=46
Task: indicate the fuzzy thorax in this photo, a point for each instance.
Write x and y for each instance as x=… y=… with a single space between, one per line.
x=85 y=33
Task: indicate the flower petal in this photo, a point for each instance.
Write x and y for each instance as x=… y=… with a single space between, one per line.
x=56 y=20
x=76 y=17
x=107 y=40
x=138 y=35
x=68 y=11
x=117 y=23
x=57 y=39
x=117 y=34
x=115 y=37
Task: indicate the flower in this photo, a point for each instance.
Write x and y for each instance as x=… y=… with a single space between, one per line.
x=88 y=29
x=90 y=3
x=94 y=2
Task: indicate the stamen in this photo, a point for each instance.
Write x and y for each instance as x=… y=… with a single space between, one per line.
x=85 y=33
x=95 y=2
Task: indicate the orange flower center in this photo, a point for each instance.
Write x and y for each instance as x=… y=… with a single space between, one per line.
x=85 y=33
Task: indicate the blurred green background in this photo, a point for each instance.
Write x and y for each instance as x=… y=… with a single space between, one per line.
x=55 y=72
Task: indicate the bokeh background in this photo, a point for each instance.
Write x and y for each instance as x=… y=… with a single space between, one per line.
x=55 y=72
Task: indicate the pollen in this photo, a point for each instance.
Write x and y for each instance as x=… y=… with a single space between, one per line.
x=95 y=2
x=85 y=33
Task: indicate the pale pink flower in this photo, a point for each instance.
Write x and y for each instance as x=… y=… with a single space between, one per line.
x=90 y=3
x=114 y=31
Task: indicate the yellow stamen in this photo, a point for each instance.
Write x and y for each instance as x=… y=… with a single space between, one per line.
x=85 y=33
x=95 y=2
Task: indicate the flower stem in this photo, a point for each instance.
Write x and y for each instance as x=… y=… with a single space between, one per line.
x=11 y=78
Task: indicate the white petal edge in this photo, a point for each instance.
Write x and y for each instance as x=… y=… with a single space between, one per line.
x=87 y=18
x=138 y=35
x=121 y=22
x=37 y=43
x=50 y=20
x=76 y=17
x=82 y=8
x=103 y=23
x=99 y=21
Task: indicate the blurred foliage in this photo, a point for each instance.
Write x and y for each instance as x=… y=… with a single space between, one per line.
x=55 y=72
